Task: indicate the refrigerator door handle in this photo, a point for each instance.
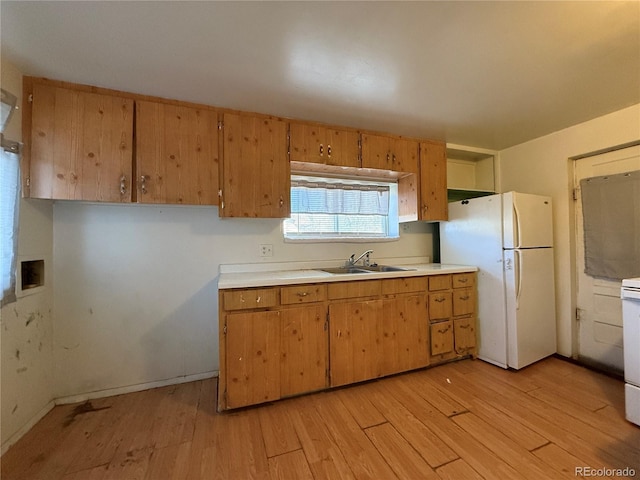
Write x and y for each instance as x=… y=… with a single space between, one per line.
x=518 y=275
x=516 y=226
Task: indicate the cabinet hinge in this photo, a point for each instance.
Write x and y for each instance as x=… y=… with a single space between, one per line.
x=224 y=330
x=220 y=125
x=575 y=193
x=577 y=314
x=30 y=98
x=28 y=181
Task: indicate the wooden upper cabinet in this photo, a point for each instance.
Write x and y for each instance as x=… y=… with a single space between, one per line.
x=81 y=145
x=383 y=152
x=325 y=145
x=433 y=181
x=176 y=154
x=255 y=175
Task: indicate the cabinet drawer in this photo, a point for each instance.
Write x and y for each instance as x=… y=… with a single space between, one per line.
x=441 y=337
x=363 y=288
x=464 y=301
x=439 y=305
x=245 y=299
x=303 y=294
x=460 y=280
x=465 y=333
x=404 y=285
x=439 y=282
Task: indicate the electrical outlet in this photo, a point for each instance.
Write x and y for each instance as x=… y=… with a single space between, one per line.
x=266 y=250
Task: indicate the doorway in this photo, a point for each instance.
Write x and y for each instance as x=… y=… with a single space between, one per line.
x=599 y=309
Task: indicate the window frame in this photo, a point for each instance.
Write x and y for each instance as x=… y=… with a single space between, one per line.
x=393 y=224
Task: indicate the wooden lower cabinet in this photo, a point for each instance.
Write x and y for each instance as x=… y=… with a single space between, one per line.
x=252 y=358
x=405 y=336
x=355 y=341
x=452 y=324
x=282 y=341
x=303 y=357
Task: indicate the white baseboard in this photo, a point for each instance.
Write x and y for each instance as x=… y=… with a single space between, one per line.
x=134 y=388
x=26 y=427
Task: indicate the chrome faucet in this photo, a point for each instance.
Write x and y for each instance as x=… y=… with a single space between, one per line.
x=366 y=262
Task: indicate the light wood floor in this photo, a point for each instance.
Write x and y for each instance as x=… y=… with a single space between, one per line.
x=466 y=420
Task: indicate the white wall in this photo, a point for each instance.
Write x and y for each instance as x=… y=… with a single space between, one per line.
x=135 y=299
x=26 y=350
x=542 y=166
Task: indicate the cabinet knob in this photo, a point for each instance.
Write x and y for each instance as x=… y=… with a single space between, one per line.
x=281 y=202
x=143 y=183
x=321 y=150
x=123 y=185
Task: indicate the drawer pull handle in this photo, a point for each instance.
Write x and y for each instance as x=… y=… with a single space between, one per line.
x=445 y=330
x=258 y=299
x=464 y=326
x=302 y=294
x=463 y=280
x=466 y=297
x=439 y=299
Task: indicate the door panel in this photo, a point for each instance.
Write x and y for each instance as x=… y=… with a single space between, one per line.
x=528 y=221
x=599 y=328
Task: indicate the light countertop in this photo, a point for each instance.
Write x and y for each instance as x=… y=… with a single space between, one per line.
x=231 y=277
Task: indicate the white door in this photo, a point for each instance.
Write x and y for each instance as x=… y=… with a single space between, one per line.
x=599 y=327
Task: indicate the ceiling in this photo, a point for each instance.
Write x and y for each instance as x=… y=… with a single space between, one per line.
x=483 y=74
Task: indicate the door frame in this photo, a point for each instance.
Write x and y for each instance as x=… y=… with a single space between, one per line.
x=573 y=235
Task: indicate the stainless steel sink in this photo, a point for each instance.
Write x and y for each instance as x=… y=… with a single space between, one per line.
x=363 y=269
x=343 y=270
x=387 y=268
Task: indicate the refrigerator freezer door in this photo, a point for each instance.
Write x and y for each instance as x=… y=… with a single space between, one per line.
x=531 y=314
x=473 y=236
x=528 y=222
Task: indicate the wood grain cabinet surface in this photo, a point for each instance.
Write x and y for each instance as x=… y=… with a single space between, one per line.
x=81 y=145
x=326 y=145
x=255 y=176
x=324 y=335
x=384 y=152
x=433 y=181
x=176 y=154
x=452 y=316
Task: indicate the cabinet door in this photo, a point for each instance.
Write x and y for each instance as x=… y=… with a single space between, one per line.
x=441 y=337
x=404 y=155
x=81 y=145
x=405 y=334
x=252 y=360
x=433 y=181
x=376 y=152
x=255 y=175
x=303 y=366
x=176 y=154
x=464 y=334
x=342 y=148
x=355 y=336
x=306 y=143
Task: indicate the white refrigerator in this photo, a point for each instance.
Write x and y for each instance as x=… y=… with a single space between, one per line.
x=510 y=238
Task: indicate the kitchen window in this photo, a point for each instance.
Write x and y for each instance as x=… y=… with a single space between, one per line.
x=341 y=209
